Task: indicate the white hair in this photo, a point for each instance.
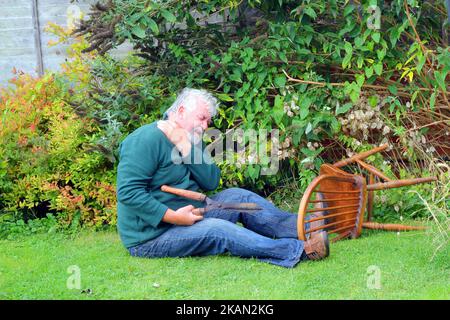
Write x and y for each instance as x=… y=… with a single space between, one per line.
x=188 y=98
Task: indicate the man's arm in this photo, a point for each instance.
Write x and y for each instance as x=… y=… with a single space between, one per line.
x=204 y=171
x=138 y=163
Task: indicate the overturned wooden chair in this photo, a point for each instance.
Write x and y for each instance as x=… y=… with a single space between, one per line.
x=340 y=199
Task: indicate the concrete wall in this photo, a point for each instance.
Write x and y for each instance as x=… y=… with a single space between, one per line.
x=24 y=48
x=18 y=36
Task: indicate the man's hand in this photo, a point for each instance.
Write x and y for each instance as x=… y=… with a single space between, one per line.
x=177 y=135
x=181 y=217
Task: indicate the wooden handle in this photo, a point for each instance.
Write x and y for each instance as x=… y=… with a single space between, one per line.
x=184 y=193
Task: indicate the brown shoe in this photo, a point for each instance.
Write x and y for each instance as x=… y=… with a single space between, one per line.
x=317 y=247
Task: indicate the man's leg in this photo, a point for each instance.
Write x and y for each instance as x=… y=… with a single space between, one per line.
x=212 y=236
x=270 y=221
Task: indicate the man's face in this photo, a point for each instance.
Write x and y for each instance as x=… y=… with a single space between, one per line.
x=196 y=120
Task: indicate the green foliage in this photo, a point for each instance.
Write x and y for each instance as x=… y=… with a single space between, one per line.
x=46 y=163
x=331 y=76
x=334 y=52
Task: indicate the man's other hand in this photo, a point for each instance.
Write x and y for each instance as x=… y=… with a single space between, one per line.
x=182 y=216
x=177 y=135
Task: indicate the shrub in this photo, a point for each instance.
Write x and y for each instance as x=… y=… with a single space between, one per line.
x=322 y=72
x=45 y=158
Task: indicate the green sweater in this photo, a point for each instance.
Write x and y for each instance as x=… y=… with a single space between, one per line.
x=145 y=165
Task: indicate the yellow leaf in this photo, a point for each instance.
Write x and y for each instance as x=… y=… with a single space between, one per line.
x=410 y=76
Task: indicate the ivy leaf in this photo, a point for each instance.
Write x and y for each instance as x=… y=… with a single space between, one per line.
x=278 y=112
x=304 y=108
x=373 y=100
x=353 y=90
x=348 y=9
x=309 y=128
x=368 y=71
x=360 y=62
x=153 y=26
x=280 y=81
x=359 y=79
x=394 y=35
x=310 y=12
x=335 y=125
x=381 y=54
x=378 y=68
x=138 y=32
x=282 y=56
x=440 y=78
x=432 y=101
x=393 y=89
x=168 y=16
x=344 y=108
x=420 y=62
x=225 y=97
x=359 y=41
x=376 y=37
x=348 y=55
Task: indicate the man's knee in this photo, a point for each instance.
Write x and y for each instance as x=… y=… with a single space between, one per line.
x=237 y=192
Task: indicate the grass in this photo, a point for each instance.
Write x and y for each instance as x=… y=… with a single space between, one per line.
x=36 y=267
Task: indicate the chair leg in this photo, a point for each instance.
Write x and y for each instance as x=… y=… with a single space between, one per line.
x=370 y=199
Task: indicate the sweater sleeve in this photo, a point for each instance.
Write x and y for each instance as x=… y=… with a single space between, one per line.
x=203 y=169
x=138 y=163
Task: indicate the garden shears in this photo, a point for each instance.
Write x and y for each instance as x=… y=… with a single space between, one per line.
x=247 y=207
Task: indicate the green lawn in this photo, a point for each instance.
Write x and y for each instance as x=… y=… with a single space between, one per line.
x=36 y=267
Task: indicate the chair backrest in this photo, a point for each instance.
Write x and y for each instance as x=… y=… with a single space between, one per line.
x=340 y=196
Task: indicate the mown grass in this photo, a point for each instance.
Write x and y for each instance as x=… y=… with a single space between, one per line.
x=36 y=267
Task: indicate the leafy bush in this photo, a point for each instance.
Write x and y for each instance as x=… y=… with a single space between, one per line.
x=332 y=76
x=46 y=166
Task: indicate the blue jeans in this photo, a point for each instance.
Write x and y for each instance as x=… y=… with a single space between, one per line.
x=270 y=235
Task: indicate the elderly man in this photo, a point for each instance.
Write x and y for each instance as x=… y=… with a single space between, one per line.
x=152 y=223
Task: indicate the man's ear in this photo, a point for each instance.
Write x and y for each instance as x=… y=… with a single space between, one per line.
x=181 y=111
